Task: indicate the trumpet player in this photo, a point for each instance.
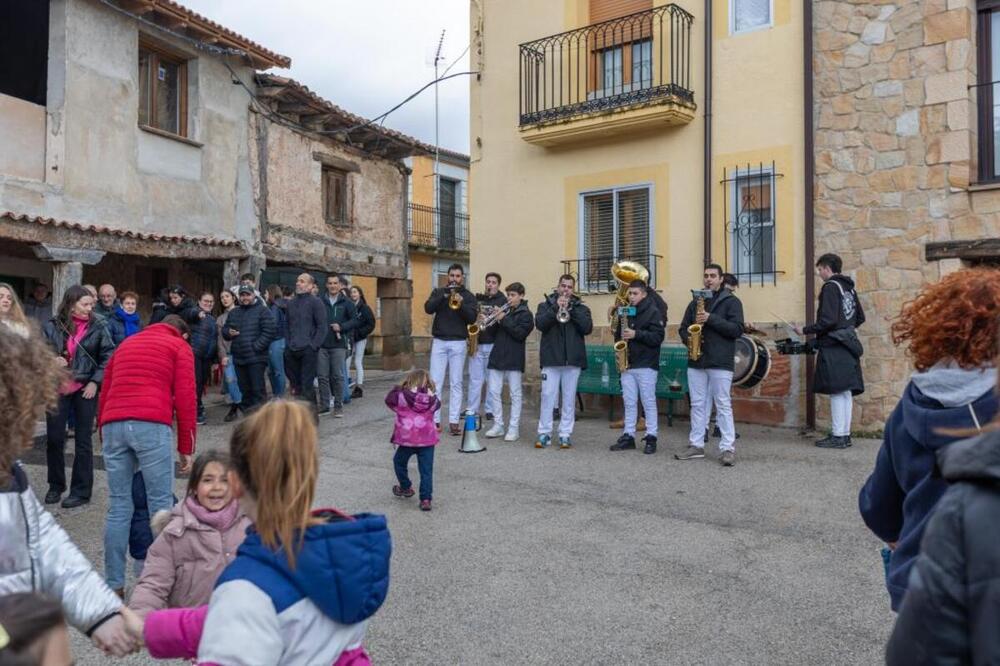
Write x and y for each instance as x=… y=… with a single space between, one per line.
x=564 y=321
x=487 y=302
x=453 y=308
x=710 y=377
x=643 y=334
x=506 y=362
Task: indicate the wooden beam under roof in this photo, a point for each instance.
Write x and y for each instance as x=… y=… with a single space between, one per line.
x=983 y=248
x=140 y=7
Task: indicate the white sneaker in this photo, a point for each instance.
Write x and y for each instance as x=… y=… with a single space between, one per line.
x=495 y=431
x=511 y=436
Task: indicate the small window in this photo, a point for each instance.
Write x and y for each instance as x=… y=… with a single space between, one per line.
x=750 y=223
x=162 y=91
x=747 y=15
x=988 y=90
x=616 y=227
x=24 y=49
x=335 y=196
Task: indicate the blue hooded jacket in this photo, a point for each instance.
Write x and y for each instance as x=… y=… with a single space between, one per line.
x=897 y=500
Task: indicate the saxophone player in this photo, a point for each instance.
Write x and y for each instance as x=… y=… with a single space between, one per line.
x=710 y=377
x=643 y=333
x=563 y=355
x=488 y=302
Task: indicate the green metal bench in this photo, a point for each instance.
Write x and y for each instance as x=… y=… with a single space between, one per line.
x=602 y=378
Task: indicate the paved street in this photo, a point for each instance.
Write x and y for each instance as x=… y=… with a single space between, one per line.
x=554 y=557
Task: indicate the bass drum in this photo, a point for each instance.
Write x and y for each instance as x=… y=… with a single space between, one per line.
x=752 y=362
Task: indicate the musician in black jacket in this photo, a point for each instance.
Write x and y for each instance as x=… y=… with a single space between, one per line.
x=838 y=367
x=486 y=302
x=450 y=331
x=563 y=356
x=710 y=378
x=643 y=332
x=507 y=361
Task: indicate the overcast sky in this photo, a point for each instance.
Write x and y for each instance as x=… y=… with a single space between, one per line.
x=365 y=56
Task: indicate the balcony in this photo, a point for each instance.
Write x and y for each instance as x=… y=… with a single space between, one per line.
x=437 y=230
x=621 y=76
x=593 y=274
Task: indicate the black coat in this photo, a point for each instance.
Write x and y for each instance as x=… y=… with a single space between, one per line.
x=187 y=310
x=93 y=352
x=719 y=333
x=837 y=368
x=307 y=325
x=951 y=611
x=451 y=324
x=648 y=324
x=508 y=347
x=257 y=330
x=205 y=338
x=563 y=344
x=366 y=321
x=485 y=304
x=342 y=312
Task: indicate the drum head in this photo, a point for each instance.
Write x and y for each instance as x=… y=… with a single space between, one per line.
x=752 y=362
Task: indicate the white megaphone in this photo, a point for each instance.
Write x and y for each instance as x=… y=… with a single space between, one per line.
x=470 y=442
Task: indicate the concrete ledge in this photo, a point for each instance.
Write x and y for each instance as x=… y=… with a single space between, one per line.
x=670 y=112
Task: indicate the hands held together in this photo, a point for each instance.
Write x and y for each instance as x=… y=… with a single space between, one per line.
x=121 y=635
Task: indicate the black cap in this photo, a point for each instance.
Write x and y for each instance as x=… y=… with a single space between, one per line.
x=246 y=290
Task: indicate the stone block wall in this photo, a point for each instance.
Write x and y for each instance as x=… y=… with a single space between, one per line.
x=896 y=136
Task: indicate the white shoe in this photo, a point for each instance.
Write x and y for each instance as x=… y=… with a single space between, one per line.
x=495 y=431
x=511 y=436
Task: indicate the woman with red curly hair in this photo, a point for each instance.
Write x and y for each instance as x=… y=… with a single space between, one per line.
x=950 y=331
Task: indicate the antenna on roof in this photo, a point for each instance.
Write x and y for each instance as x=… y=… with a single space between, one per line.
x=438 y=57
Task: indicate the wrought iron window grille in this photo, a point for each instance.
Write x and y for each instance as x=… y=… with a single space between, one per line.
x=750 y=212
x=568 y=74
x=436 y=228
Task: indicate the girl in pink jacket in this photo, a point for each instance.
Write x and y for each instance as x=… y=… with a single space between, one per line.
x=415 y=434
x=200 y=539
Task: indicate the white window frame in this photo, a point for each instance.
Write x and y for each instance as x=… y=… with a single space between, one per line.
x=732 y=19
x=734 y=195
x=584 y=286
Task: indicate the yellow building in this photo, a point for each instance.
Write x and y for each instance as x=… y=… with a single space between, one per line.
x=590 y=125
x=438 y=229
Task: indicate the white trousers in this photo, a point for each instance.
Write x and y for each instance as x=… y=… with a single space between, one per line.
x=708 y=387
x=496 y=382
x=449 y=355
x=477 y=380
x=567 y=377
x=640 y=384
x=359 y=361
x=841 y=405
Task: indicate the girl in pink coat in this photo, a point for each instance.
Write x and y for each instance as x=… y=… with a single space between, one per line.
x=415 y=434
x=200 y=539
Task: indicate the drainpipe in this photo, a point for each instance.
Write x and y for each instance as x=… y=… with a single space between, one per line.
x=808 y=212
x=707 y=185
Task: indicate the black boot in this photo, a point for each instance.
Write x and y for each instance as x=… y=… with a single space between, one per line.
x=358 y=392
x=624 y=442
x=825 y=442
x=838 y=442
x=650 y=441
x=233 y=413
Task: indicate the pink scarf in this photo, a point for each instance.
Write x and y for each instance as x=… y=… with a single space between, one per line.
x=221 y=520
x=72 y=342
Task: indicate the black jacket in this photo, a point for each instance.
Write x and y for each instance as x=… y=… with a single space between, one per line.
x=563 y=344
x=719 y=333
x=187 y=310
x=307 y=325
x=837 y=368
x=485 y=304
x=205 y=338
x=451 y=324
x=648 y=324
x=257 y=330
x=951 y=611
x=508 y=346
x=366 y=321
x=341 y=312
x=93 y=352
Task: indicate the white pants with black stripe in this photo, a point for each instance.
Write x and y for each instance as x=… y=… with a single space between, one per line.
x=708 y=387
x=554 y=378
x=639 y=384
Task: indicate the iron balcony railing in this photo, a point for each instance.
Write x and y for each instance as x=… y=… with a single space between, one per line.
x=437 y=228
x=642 y=57
x=593 y=274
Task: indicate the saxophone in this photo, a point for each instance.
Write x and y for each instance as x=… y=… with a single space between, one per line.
x=694 y=330
x=621 y=350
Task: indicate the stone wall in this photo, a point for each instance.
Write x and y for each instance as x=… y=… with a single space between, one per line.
x=895 y=151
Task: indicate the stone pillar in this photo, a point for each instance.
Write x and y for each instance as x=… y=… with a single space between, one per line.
x=67 y=266
x=231 y=273
x=397 y=340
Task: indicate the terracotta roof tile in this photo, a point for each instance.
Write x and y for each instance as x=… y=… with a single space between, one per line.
x=124 y=233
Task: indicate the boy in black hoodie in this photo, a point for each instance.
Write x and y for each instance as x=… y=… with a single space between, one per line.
x=507 y=361
x=644 y=333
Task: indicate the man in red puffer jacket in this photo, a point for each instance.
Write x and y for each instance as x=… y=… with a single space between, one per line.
x=148 y=380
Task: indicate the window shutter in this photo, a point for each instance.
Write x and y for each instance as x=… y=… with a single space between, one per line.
x=605 y=10
x=598 y=235
x=633 y=224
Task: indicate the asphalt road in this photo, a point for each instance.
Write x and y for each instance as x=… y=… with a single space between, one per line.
x=587 y=556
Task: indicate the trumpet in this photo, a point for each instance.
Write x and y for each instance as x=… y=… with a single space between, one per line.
x=562 y=313
x=455 y=300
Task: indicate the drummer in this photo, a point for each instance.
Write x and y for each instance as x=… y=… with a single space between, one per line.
x=710 y=378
